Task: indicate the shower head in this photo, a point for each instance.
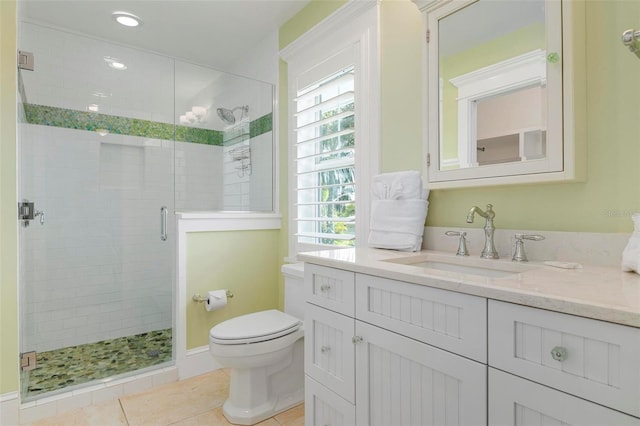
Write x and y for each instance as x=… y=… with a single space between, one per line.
x=227 y=115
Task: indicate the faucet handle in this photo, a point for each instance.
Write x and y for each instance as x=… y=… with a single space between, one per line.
x=519 y=255
x=462 y=245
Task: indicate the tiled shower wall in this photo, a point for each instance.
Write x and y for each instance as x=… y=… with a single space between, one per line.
x=97 y=268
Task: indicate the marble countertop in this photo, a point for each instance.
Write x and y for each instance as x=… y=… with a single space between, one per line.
x=598 y=292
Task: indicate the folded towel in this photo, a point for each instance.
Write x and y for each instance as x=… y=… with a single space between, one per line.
x=401 y=216
x=395 y=241
x=631 y=253
x=397 y=224
x=405 y=185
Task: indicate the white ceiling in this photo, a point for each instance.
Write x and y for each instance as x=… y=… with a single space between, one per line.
x=209 y=32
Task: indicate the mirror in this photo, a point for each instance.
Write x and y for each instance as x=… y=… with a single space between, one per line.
x=495 y=92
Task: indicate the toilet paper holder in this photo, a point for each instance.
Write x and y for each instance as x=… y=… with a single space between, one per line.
x=199 y=299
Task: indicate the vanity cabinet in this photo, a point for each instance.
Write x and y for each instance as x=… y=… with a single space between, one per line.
x=380 y=351
x=391 y=360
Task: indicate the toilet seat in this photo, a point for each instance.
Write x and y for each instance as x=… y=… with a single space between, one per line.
x=254 y=328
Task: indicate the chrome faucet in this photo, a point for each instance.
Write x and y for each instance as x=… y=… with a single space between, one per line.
x=489 y=251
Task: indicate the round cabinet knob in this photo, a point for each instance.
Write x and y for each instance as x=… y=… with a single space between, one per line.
x=357 y=339
x=553 y=57
x=559 y=353
x=325 y=349
x=325 y=288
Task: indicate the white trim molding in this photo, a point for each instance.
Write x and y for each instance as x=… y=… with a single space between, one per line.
x=355 y=24
x=212 y=221
x=341 y=18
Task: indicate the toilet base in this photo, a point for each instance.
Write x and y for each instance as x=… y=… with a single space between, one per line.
x=241 y=416
x=257 y=393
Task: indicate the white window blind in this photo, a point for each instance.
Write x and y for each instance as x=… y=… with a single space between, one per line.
x=325 y=121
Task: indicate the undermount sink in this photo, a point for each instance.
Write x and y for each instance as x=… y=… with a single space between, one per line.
x=464 y=265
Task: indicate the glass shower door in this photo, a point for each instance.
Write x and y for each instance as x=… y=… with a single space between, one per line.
x=96 y=149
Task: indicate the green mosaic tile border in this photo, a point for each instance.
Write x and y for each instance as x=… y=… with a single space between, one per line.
x=84 y=120
x=261 y=125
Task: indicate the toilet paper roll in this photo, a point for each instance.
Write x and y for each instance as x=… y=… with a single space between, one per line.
x=216 y=299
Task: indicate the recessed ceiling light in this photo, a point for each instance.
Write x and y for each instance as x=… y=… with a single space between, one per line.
x=115 y=63
x=94 y=107
x=127 y=19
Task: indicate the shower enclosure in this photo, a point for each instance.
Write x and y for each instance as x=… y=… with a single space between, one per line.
x=112 y=142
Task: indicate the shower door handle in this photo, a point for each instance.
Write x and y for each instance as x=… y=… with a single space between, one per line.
x=163 y=223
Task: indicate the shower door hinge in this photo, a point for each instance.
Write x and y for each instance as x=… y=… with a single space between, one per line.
x=28 y=361
x=25 y=60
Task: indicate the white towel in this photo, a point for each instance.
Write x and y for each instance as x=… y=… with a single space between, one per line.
x=405 y=185
x=631 y=253
x=394 y=241
x=402 y=216
x=397 y=224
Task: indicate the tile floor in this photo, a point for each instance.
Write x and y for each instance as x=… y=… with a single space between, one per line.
x=192 y=402
x=74 y=365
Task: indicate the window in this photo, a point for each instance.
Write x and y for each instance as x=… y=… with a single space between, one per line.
x=333 y=129
x=325 y=161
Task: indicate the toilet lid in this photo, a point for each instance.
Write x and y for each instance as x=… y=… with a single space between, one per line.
x=256 y=327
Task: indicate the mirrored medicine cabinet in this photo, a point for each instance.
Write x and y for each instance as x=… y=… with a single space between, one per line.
x=499 y=99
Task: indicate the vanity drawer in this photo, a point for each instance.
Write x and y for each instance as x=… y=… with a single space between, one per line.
x=514 y=401
x=329 y=354
x=592 y=359
x=330 y=288
x=452 y=321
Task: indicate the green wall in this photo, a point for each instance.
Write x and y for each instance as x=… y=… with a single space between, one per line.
x=245 y=262
x=8 y=222
x=400 y=86
x=304 y=20
x=603 y=203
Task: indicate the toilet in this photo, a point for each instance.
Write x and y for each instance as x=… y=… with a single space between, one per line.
x=265 y=352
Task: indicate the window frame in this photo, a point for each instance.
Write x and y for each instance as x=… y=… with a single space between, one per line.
x=355 y=24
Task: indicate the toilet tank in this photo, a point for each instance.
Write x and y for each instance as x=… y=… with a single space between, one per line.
x=294 y=289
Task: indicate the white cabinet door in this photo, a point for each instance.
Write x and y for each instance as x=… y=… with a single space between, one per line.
x=452 y=321
x=514 y=401
x=328 y=350
x=325 y=408
x=401 y=381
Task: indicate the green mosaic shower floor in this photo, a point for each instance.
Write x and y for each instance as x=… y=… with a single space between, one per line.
x=76 y=365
